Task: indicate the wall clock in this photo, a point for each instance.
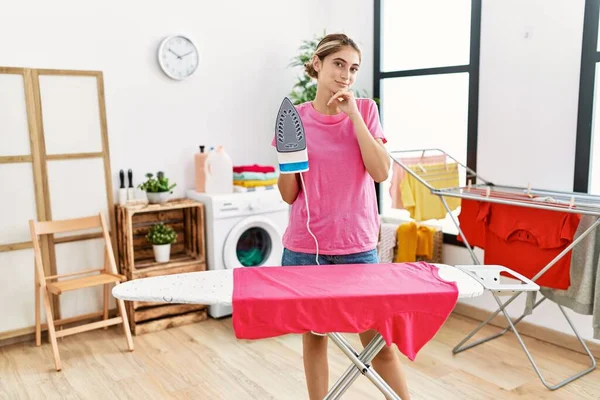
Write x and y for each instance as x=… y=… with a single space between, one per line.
x=178 y=57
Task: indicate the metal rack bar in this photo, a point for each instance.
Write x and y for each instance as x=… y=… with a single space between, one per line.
x=507 y=195
x=579 y=203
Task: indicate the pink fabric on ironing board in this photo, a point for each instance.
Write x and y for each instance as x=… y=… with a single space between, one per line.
x=406 y=302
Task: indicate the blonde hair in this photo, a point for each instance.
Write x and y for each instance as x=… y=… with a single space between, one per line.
x=330 y=44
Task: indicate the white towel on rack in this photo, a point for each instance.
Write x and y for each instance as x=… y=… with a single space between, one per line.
x=387 y=242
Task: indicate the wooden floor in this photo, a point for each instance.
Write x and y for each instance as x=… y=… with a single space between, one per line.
x=205 y=361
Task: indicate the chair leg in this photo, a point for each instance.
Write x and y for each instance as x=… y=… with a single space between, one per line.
x=38 y=323
x=123 y=312
x=51 y=331
x=106 y=299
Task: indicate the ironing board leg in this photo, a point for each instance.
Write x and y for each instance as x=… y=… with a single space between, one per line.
x=459 y=347
x=361 y=364
x=502 y=332
x=352 y=372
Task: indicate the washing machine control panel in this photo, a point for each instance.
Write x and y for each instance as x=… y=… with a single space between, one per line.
x=248 y=204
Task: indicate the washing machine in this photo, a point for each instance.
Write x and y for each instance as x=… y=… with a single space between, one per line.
x=243 y=230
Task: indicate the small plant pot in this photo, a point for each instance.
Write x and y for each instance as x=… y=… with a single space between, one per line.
x=156 y=198
x=162 y=252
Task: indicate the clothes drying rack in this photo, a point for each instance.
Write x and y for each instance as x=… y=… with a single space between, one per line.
x=570 y=202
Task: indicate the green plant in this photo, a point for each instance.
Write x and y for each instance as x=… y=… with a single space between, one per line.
x=158 y=184
x=305 y=88
x=161 y=234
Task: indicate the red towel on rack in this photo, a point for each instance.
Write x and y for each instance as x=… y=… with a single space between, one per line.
x=526 y=240
x=253 y=168
x=407 y=302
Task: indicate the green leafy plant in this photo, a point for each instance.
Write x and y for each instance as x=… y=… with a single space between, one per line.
x=305 y=88
x=158 y=184
x=161 y=234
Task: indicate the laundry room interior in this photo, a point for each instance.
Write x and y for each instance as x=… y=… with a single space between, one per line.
x=329 y=199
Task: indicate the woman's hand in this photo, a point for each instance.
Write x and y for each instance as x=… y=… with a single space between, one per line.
x=346 y=102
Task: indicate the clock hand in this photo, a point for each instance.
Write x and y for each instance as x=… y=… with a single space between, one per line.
x=177 y=55
x=189 y=52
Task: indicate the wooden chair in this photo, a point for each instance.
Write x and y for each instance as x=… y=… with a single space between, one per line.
x=56 y=285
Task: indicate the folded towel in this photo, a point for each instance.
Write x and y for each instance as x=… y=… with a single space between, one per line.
x=406 y=235
x=425 y=241
x=253 y=168
x=254 y=183
x=249 y=176
x=242 y=189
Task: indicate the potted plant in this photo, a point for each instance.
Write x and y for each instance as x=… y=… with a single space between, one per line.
x=161 y=237
x=157 y=189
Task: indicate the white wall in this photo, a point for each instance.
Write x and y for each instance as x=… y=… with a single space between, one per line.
x=529 y=88
x=528 y=99
x=157 y=123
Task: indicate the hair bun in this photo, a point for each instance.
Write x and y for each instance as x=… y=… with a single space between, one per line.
x=309 y=69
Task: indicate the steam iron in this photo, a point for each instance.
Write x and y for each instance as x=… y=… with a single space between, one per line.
x=290 y=139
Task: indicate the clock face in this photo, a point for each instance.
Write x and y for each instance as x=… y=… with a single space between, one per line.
x=178 y=57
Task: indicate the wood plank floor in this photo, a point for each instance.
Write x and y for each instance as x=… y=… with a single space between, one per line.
x=205 y=361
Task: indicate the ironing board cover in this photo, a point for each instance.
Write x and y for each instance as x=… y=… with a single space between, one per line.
x=407 y=303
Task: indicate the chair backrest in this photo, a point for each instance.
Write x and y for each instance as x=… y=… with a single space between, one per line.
x=68 y=225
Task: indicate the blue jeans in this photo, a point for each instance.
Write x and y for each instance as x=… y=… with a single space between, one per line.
x=292 y=258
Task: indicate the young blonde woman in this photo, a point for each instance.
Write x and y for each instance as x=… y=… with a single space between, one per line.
x=346 y=154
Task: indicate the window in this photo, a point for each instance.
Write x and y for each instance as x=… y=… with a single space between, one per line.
x=587 y=151
x=426 y=76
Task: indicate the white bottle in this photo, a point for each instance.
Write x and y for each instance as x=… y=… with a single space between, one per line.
x=219 y=172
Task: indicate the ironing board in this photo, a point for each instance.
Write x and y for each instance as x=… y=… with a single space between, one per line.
x=215 y=287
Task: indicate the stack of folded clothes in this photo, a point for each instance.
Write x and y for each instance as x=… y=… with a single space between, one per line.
x=251 y=178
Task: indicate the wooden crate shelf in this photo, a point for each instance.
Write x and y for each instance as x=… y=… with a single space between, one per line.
x=171 y=322
x=136 y=258
x=176 y=261
x=134 y=221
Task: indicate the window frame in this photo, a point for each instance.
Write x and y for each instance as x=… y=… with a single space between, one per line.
x=590 y=56
x=472 y=68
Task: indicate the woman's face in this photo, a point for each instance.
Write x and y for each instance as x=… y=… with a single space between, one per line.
x=338 y=70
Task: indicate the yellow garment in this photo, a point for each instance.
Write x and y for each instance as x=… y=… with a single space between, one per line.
x=425 y=236
x=417 y=198
x=256 y=182
x=414 y=240
x=407 y=242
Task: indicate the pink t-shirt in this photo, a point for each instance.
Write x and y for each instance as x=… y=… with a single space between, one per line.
x=341 y=193
x=407 y=303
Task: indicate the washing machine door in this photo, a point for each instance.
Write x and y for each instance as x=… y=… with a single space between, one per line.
x=253 y=242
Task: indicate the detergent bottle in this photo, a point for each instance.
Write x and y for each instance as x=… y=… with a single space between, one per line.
x=200 y=170
x=219 y=172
